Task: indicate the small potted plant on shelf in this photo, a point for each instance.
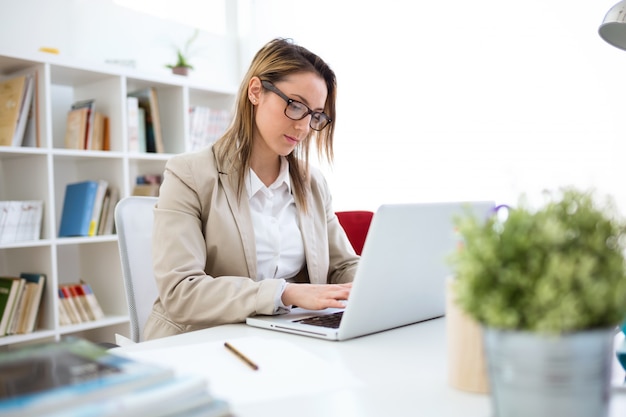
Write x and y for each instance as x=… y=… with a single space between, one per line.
x=182 y=64
x=548 y=287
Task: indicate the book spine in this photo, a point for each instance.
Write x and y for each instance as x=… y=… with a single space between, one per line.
x=25 y=106
x=68 y=302
x=37 y=281
x=29 y=299
x=79 y=294
x=132 y=104
x=12 y=299
x=12 y=328
x=79 y=303
x=92 y=302
x=64 y=318
x=97 y=207
x=109 y=221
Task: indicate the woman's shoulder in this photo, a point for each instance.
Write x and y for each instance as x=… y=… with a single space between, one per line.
x=198 y=162
x=317 y=176
x=319 y=186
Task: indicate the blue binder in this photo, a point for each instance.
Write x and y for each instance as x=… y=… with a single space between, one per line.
x=78 y=208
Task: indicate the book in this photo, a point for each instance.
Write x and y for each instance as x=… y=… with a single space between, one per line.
x=28 y=296
x=146 y=190
x=132 y=111
x=68 y=306
x=79 y=294
x=13 y=326
x=51 y=377
x=90 y=105
x=9 y=292
x=71 y=294
x=97 y=207
x=92 y=301
x=106 y=136
x=148 y=100
x=20 y=220
x=141 y=129
x=147 y=185
x=197 y=127
x=173 y=397
x=24 y=110
x=78 y=206
x=76 y=128
x=80 y=297
x=97 y=142
x=206 y=125
x=107 y=218
x=34 y=286
x=11 y=97
x=64 y=318
x=104 y=211
x=31 y=131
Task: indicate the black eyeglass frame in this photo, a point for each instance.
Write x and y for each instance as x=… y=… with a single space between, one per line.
x=316 y=115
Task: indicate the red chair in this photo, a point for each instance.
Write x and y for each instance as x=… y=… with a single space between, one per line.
x=356 y=223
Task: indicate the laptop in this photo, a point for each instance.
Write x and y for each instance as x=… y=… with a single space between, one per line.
x=401 y=276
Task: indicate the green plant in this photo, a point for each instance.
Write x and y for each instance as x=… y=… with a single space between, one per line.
x=557 y=269
x=182 y=54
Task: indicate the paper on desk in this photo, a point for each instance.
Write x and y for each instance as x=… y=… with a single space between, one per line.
x=123 y=340
x=285 y=369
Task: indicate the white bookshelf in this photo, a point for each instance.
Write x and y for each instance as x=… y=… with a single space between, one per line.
x=42 y=174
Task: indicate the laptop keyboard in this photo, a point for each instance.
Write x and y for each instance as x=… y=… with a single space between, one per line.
x=325 y=320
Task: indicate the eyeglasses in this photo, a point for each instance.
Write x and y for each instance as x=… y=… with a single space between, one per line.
x=296 y=110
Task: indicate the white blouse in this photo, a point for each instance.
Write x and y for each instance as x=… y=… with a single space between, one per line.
x=280 y=250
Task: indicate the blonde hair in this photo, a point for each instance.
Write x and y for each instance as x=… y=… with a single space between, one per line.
x=273 y=62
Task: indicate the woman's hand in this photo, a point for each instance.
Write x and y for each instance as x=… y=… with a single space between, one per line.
x=316 y=296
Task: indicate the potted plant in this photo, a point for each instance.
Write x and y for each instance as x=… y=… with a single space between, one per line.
x=548 y=287
x=182 y=64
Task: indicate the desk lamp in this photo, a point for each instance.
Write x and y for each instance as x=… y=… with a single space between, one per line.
x=613 y=27
x=613 y=30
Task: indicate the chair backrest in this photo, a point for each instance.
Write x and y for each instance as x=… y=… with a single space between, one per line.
x=356 y=223
x=133 y=220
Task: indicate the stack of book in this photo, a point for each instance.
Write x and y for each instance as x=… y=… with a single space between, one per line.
x=147 y=185
x=75 y=377
x=18 y=98
x=144 y=121
x=206 y=125
x=20 y=301
x=86 y=128
x=78 y=304
x=88 y=209
x=20 y=220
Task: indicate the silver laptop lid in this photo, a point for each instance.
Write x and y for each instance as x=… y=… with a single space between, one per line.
x=403 y=268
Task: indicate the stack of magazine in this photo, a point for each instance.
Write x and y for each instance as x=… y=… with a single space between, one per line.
x=75 y=377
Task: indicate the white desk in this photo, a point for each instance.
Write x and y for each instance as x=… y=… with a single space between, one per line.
x=401 y=372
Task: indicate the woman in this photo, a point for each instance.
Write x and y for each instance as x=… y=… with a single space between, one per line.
x=246 y=226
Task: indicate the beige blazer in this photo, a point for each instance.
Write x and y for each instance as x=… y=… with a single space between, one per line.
x=204 y=250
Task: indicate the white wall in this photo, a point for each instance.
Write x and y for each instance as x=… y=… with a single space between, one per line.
x=438 y=100
x=462 y=100
x=100 y=30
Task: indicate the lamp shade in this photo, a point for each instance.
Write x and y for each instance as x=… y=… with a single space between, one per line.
x=613 y=28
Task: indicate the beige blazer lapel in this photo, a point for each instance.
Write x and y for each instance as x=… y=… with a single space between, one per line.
x=240 y=208
x=311 y=245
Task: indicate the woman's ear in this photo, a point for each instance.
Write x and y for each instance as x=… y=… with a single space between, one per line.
x=254 y=90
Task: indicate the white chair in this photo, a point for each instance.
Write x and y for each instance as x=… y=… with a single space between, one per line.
x=133 y=220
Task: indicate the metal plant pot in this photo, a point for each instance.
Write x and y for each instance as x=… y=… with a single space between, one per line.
x=180 y=71
x=538 y=375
